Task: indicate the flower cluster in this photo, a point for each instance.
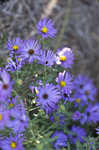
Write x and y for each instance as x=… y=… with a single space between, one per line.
x=67 y=101
x=12 y=114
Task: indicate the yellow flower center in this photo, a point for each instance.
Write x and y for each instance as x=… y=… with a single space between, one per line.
x=87 y=93
x=36 y=91
x=5 y=86
x=13 y=145
x=62 y=83
x=31 y=51
x=78 y=100
x=11 y=105
x=1 y=117
x=15 y=47
x=44 y=30
x=19 y=59
x=63 y=58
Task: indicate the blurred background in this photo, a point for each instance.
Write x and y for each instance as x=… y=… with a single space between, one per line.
x=77 y=22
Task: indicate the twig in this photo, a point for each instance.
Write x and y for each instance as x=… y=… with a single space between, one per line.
x=65 y=23
x=49 y=8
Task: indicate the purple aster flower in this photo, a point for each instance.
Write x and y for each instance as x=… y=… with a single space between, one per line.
x=88 y=92
x=66 y=96
x=15 y=46
x=47 y=58
x=12 y=143
x=18 y=126
x=17 y=111
x=46 y=28
x=4 y=117
x=12 y=103
x=5 y=85
x=65 y=57
x=30 y=50
x=78 y=100
x=48 y=97
x=79 y=134
x=65 y=84
x=80 y=81
x=60 y=141
x=14 y=65
x=85 y=87
x=76 y=115
x=91 y=114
